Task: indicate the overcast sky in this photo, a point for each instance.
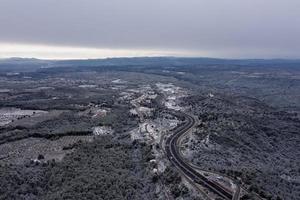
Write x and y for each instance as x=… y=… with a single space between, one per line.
x=99 y=28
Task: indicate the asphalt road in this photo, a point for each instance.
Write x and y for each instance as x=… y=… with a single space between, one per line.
x=175 y=157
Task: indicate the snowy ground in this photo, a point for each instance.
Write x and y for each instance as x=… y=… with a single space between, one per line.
x=102 y=130
x=119 y=81
x=28 y=149
x=87 y=86
x=95 y=111
x=172 y=95
x=149 y=130
x=4 y=90
x=7 y=115
x=152 y=131
x=39 y=89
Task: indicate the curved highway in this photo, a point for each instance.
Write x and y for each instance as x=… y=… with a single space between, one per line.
x=175 y=157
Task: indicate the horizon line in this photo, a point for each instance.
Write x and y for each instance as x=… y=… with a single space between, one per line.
x=54 y=52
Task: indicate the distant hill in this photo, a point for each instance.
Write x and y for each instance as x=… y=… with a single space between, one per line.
x=25 y=64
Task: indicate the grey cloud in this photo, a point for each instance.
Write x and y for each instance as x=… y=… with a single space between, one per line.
x=257 y=27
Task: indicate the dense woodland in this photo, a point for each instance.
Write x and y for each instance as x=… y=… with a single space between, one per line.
x=247 y=139
x=105 y=169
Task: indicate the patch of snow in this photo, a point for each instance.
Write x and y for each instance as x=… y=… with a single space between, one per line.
x=99 y=113
x=290 y=178
x=102 y=130
x=12 y=73
x=145 y=110
x=4 y=90
x=172 y=105
x=118 y=87
x=133 y=111
x=39 y=89
x=161 y=166
x=7 y=115
x=172 y=94
x=119 y=81
x=135 y=134
x=87 y=86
